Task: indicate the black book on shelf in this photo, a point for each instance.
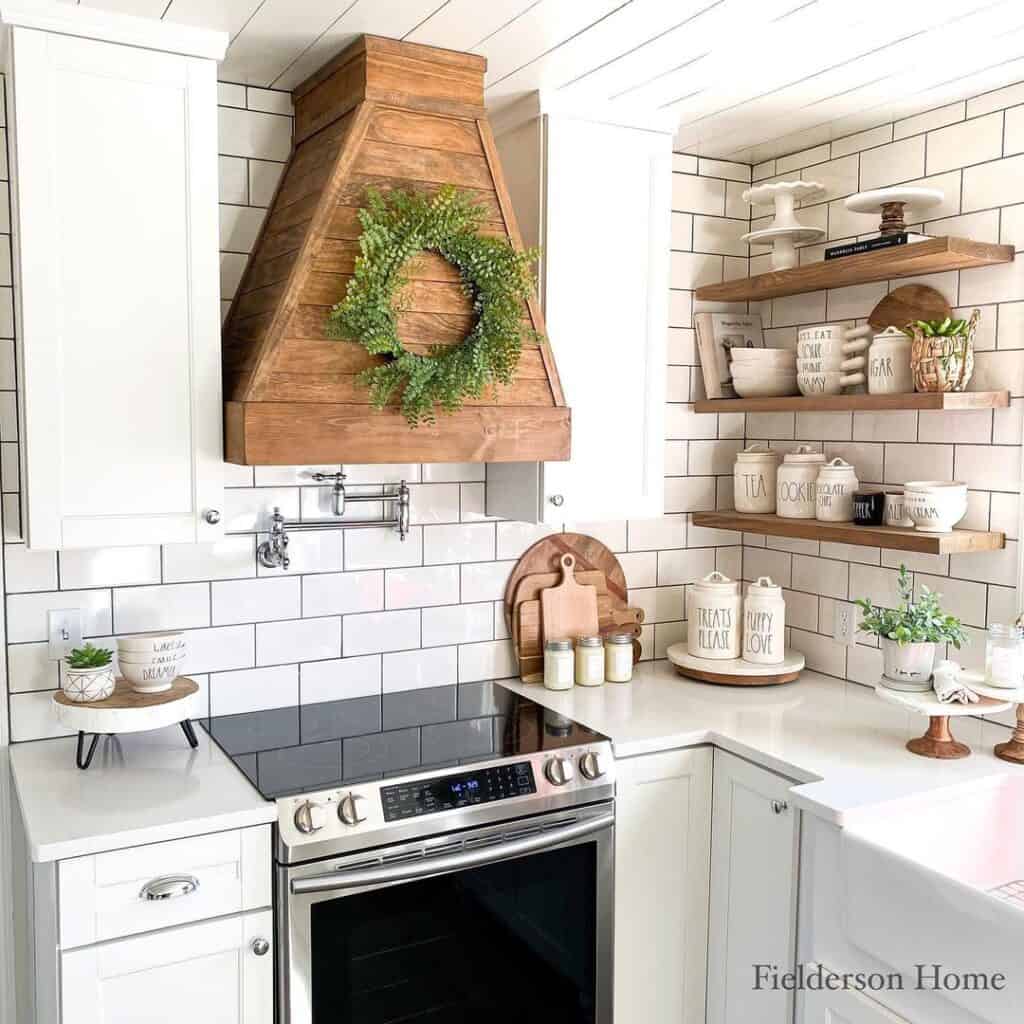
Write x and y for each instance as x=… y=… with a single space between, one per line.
x=868 y=245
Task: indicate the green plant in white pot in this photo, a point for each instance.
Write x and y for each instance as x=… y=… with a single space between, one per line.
x=910 y=635
x=88 y=674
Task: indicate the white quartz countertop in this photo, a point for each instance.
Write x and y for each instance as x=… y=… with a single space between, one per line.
x=147 y=788
x=840 y=742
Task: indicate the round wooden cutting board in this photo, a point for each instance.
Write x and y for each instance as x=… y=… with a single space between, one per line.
x=907 y=303
x=546 y=554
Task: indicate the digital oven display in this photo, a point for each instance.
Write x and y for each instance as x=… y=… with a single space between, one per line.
x=448 y=792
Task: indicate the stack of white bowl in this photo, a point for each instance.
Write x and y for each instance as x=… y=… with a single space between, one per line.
x=152 y=663
x=763 y=372
x=935 y=506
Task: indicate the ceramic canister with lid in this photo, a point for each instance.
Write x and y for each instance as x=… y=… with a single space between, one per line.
x=764 y=623
x=713 y=613
x=889 y=371
x=797 y=478
x=833 y=497
x=754 y=478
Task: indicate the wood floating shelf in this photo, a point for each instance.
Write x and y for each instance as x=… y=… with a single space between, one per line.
x=893 y=538
x=928 y=257
x=868 y=403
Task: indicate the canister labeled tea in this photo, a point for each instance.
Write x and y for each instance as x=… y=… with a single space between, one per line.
x=754 y=479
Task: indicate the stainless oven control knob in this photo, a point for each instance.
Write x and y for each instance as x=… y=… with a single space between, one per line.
x=309 y=817
x=559 y=771
x=350 y=809
x=592 y=765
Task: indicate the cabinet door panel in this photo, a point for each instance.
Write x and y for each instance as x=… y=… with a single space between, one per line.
x=205 y=974
x=754 y=867
x=662 y=832
x=116 y=231
x=842 y=1008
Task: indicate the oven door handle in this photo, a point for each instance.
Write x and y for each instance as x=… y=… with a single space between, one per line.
x=451 y=862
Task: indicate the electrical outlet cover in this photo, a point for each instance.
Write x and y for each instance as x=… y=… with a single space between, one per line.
x=64 y=632
x=844 y=623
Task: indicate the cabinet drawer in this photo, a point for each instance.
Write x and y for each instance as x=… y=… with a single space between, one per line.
x=107 y=895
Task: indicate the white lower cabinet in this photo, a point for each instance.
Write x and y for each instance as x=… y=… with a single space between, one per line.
x=663 y=820
x=755 y=856
x=842 y=1008
x=209 y=973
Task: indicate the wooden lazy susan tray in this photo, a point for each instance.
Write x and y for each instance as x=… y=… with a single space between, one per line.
x=735 y=672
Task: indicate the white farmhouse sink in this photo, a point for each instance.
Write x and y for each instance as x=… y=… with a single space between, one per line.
x=930 y=881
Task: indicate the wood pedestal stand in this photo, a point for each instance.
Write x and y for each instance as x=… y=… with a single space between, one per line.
x=1013 y=749
x=938 y=741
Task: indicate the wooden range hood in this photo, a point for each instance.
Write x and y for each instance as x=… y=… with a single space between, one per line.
x=388 y=115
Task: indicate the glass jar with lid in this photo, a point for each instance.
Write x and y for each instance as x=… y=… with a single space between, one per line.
x=559 y=665
x=618 y=658
x=589 y=661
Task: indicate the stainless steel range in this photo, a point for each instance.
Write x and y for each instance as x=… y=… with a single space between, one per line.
x=440 y=855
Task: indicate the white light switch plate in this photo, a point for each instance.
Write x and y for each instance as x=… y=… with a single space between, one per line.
x=64 y=632
x=844 y=626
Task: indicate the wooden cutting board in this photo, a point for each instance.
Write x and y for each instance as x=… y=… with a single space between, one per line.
x=568 y=610
x=590 y=554
x=530 y=587
x=907 y=303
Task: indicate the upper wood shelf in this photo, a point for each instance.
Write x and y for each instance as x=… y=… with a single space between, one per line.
x=891 y=537
x=869 y=403
x=928 y=257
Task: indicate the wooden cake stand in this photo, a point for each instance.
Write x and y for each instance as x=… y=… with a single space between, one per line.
x=127 y=711
x=1013 y=749
x=938 y=740
x=735 y=671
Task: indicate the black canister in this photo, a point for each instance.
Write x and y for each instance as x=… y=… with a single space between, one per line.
x=868 y=508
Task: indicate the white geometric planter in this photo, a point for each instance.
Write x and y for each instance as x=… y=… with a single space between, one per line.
x=85 y=685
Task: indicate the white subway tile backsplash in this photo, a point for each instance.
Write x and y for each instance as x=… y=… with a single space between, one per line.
x=421 y=587
x=174 y=606
x=514 y=538
x=247 y=510
x=381 y=547
x=251 y=134
x=310 y=551
x=691 y=194
x=377 y=632
x=26 y=613
x=466 y=542
x=340 y=679
x=29 y=668
x=259 y=600
x=219 y=649
x=668 y=531
x=340 y=593
x=929 y=120
x=417 y=670
x=255 y=689
x=278 y=643
x=458 y=624
x=905 y=462
x=227 y=558
x=993 y=184
x=493 y=660
x=27 y=571
x=485 y=581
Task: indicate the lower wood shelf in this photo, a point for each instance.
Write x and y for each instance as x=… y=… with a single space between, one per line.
x=891 y=537
x=855 y=402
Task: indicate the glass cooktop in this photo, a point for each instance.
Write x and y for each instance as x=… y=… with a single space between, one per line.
x=299 y=749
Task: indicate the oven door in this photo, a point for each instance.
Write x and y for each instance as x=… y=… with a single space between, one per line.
x=500 y=924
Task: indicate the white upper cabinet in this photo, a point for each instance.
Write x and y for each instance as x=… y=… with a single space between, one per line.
x=114 y=175
x=596 y=198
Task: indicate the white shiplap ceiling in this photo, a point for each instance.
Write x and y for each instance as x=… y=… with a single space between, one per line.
x=745 y=79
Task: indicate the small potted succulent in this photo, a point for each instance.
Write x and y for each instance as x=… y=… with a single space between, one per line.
x=88 y=674
x=942 y=352
x=910 y=634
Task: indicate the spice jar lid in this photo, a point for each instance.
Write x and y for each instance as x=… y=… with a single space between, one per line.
x=558 y=645
x=588 y=641
x=619 y=638
x=764 y=586
x=757 y=453
x=804 y=454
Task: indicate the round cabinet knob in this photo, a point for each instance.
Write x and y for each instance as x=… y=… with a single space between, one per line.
x=350 y=809
x=212 y=516
x=261 y=947
x=309 y=817
x=592 y=765
x=557 y=500
x=559 y=771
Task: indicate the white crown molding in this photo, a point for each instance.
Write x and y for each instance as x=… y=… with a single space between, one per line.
x=126 y=29
x=540 y=103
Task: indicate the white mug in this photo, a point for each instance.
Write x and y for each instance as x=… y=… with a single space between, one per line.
x=831 y=342
x=827 y=366
x=830 y=383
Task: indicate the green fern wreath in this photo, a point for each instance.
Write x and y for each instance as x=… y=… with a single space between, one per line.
x=496 y=278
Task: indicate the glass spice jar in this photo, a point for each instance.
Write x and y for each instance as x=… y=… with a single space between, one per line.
x=589 y=661
x=558 y=665
x=618 y=658
x=1004 y=656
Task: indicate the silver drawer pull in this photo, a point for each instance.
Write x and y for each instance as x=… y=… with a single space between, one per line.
x=779 y=806
x=169 y=887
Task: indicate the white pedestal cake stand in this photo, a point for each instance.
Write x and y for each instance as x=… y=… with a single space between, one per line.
x=938 y=740
x=785 y=232
x=127 y=711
